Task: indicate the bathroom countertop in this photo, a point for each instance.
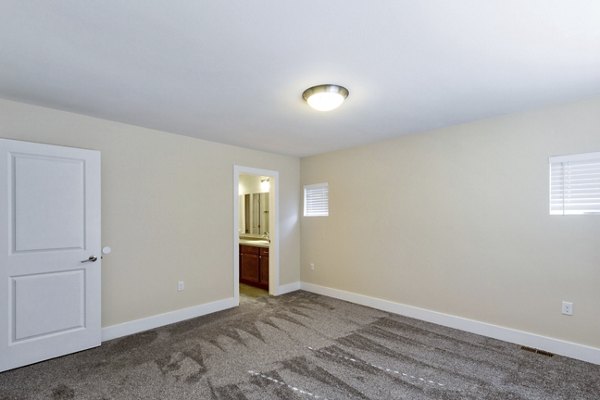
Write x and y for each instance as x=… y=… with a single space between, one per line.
x=254 y=242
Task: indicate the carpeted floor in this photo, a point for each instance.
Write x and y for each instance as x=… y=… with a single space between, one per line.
x=304 y=346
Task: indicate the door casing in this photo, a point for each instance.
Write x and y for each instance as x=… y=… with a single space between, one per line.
x=273 y=224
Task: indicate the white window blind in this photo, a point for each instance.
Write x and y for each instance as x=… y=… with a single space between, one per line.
x=575 y=184
x=316 y=200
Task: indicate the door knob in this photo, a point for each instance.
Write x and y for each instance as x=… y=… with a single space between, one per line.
x=91 y=259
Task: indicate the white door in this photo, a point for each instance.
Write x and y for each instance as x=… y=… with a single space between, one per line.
x=49 y=251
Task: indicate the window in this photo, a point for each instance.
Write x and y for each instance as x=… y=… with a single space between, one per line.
x=316 y=200
x=575 y=184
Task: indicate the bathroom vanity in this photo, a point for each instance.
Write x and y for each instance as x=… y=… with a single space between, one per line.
x=254 y=263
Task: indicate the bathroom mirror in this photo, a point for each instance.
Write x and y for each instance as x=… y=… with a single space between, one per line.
x=254 y=212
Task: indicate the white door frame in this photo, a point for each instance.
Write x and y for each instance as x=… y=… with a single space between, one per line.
x=273 y=232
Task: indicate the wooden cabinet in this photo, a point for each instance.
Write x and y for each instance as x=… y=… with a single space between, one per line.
x=254 y=266
x=263 y=260
x=249 y=264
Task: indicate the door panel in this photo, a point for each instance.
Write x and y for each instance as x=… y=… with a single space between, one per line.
x=42 y=184
x=250 y=266
x=49 y=224
x=264 y=268
x=46 y=304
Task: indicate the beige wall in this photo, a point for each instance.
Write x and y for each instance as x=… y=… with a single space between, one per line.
x=167 y=208
x=453 y=220
x=456 y=220
x=249 y=184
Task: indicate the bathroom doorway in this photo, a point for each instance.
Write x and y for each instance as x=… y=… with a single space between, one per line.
x=256 y=233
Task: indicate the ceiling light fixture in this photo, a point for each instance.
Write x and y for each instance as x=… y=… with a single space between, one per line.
x=265 y=184
x=325 y=97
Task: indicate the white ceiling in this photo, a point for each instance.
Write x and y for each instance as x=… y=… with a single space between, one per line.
x=233 y=71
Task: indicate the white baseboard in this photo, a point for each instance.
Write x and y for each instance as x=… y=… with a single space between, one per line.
x=287 y=288
x=155 y=321
x=556 y=346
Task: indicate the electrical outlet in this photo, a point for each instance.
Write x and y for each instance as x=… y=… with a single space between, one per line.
x=312 y=266
x=567 y=308
x=180 y=286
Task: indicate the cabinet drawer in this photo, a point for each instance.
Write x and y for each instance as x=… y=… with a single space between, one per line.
x=264 y=251
x=249 y=249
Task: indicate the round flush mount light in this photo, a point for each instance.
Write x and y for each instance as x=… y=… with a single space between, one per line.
x=325 y=97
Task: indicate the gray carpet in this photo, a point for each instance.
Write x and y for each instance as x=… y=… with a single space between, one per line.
x=304 y=346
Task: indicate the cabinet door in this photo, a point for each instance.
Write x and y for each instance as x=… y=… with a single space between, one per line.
x=264 y=266
x=249 y=270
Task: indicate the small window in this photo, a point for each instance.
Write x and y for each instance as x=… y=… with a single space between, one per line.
x=575 y=184
x=316 y=200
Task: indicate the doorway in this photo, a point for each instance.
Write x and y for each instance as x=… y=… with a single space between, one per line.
x=255 y=230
